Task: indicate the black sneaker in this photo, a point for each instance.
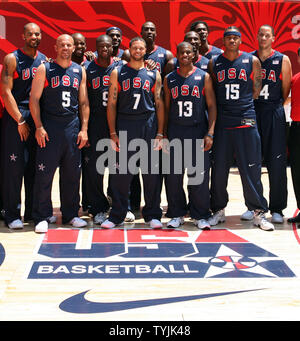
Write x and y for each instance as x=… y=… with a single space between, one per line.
x=294 y=219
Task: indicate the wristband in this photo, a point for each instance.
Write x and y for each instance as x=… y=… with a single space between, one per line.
x=160 y=135
x=20 y=123
x=209 y=135
x=114 y=133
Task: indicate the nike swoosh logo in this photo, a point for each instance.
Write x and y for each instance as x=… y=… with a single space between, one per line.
x=78 y=304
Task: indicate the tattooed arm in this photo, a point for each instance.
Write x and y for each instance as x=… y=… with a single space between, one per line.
x=256 y=77
x=7 y=78
x=84 y=111
x=112 y=109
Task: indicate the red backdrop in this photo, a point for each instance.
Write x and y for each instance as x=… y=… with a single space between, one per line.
x=172 y=19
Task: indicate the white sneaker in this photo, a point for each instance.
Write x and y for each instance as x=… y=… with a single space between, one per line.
x=217 y=217
x=51 y=220
x=16 y=224
x=277 y=218
x=261 y=221
x=99 y=218
x=248 y=215
x=175 y=222
x=107 y=224
x=130 y=217
x=41 y=227
x=78 y=222
x=155 y=223
x=202 y=224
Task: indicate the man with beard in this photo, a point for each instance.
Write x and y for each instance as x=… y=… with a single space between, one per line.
x=199 y=61
x=205 y=49
x=135 y=107
x=19 y=145
x=158 y=54
x=78 y=56
x=58 y=98
x=271 y=121
x=236 y=130
x=116 y=36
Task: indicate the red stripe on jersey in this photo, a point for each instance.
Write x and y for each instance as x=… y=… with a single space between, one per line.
x=240 y=127
x=15 y=75
x=46 y=83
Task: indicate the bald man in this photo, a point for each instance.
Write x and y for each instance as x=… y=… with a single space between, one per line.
x=58 y=95
x=19 y=68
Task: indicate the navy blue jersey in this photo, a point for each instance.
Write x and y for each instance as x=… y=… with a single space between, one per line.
x=25 y=71
x=187 y=104
x=60 y=94
x=136 y=90
x=271 y=90
x=159 y=55
x=213 y=51
x=97 y=84
x=234 y=89
x=201 y=63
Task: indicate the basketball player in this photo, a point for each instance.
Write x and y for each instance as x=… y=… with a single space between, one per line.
x=19 y=145
x=78 y=56
x=135 y=106
x=207 y=50
x=57 y=99
x=188 y=90
x=116 y=36
x=158 y=54
x=271 y=122
x=98 y=72
x=199 y=61
x=236 y=130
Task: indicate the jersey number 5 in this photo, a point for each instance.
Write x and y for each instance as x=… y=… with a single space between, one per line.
x=66 y=99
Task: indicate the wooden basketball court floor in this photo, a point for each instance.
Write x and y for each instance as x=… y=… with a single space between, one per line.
x=234 y=272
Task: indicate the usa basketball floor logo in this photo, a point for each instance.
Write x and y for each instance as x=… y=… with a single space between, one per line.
x=147 y=253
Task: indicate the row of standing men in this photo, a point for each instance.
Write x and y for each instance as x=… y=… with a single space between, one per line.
x=235 y=134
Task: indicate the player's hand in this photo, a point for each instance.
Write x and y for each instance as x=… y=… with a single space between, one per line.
x=90 y=56
x=82 y=139
x=208 y=142
x=158 y=142
x=166 y=145
x=150 y=64
x=41 y=137
x=115 y=143
x=23 y=130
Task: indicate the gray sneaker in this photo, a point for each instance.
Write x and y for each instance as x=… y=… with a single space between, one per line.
x=175 y=222
x=248 y=215
x=217 y=218
x=99 y=218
